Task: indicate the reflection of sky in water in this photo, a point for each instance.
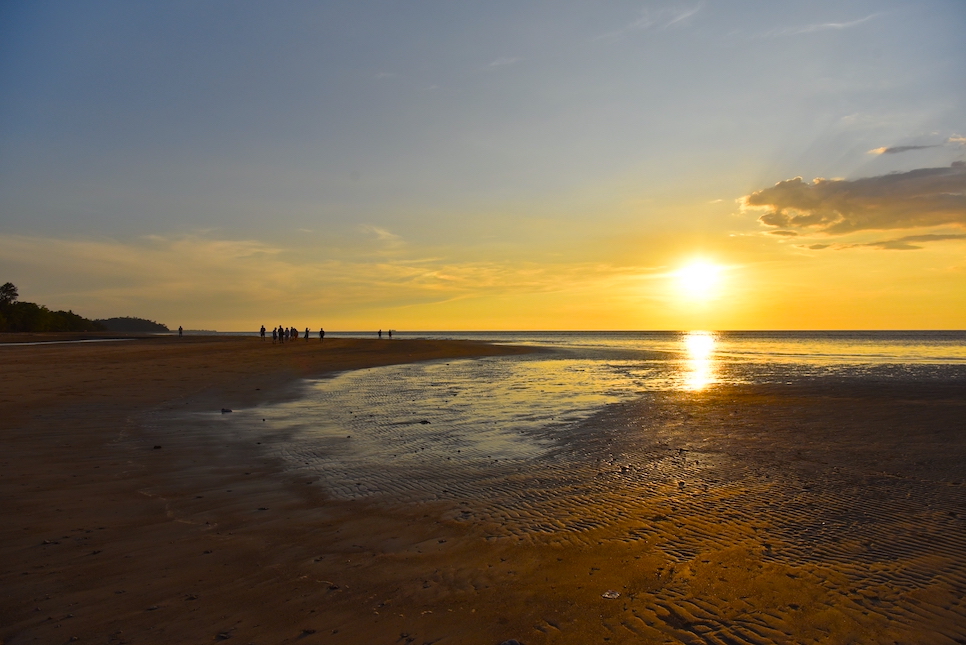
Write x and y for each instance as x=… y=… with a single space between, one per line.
x=416 y=419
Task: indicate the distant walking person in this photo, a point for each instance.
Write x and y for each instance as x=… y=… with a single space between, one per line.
x=295 y=333
x=274 y=336
x=263 y=332
x=306 y=333
x=180 y=332
x=390 y=334
x=321 y=334
x=380 y=333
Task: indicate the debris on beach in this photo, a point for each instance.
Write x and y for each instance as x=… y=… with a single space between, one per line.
x=610 y=594
x=157 y=447
x=225 y=410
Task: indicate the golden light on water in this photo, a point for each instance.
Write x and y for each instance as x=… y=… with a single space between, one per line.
x=699 y=360
x=699 y=280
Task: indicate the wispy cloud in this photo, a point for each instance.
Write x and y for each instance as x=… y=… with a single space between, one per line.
x=906 y=243
x=682 y=16
x=891 y=150
x=502 y=62
x=243 y=280
x=817 y=27
x=385 y=236
x=914 y=199
x=910 y=242
x=657 y=19
x=897 y=149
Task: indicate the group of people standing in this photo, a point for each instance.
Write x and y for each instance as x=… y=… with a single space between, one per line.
x=281 y=334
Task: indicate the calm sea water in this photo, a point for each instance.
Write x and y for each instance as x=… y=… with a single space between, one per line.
x=368 y=431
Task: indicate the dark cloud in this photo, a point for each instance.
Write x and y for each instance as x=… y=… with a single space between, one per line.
x=785 y=233
x=897 y=149
x=918 y=198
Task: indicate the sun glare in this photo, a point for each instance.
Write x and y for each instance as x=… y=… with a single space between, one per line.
x=699 y=280
x=699 y=361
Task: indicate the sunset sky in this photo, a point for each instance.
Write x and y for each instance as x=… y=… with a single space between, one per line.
x=492 y=165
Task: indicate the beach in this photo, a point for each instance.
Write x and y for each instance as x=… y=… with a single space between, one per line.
x=829 y=510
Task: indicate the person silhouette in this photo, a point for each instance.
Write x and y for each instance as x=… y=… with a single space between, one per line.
x=274 y=335
x=306 y=333
x=380 y=333
x=180 y=332
x=321 y=334
x=390 y=334
x=263 y=332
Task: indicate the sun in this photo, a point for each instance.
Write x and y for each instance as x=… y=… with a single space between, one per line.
x=698 y=280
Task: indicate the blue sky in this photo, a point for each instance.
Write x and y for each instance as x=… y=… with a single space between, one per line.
x=434 y=138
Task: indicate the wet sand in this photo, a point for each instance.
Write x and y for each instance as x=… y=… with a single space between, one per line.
x=830 y=512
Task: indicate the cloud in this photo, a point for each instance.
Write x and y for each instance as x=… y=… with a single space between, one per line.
x=682 y=16
x=824 y=26
x=891 y=150
x=913 y=199
x=661 y=19
x=503 y=62
x=907 y=243
x=897 y=149
x=380 y=233
x=784 y=233
x=202 y=282
x=389 y=242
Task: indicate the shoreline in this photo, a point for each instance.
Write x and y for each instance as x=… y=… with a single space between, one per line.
x=821 y=513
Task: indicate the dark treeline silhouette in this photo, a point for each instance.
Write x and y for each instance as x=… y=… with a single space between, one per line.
x=29 y=316
x=128 y=323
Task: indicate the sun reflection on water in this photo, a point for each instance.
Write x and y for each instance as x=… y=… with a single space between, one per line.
x=699 y=360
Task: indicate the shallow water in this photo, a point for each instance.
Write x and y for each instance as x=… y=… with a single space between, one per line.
x=423 y=431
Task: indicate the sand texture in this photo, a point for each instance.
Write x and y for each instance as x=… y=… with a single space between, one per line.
x=832 y=512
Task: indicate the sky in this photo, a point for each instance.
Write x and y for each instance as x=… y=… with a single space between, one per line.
x=487 y=165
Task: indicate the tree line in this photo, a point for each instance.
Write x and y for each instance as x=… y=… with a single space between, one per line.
x=19 y=316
